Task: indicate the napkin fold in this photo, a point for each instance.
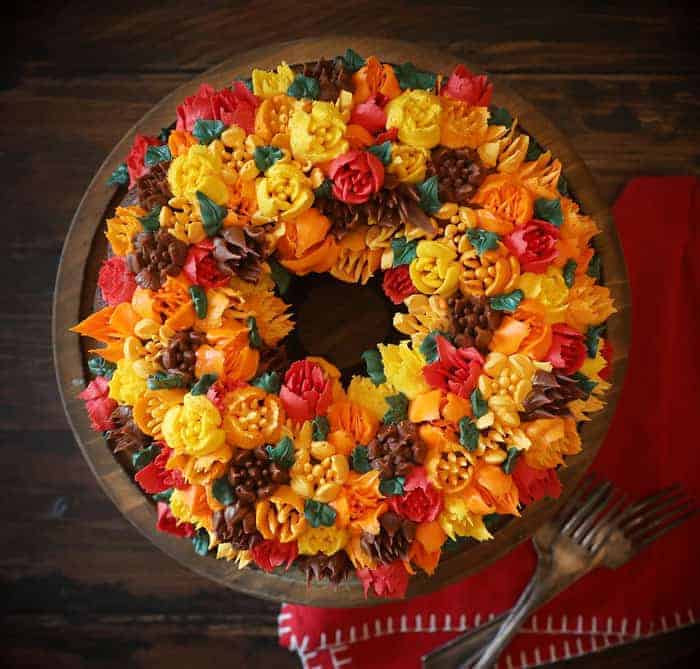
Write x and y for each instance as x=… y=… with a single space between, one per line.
x=651 y=444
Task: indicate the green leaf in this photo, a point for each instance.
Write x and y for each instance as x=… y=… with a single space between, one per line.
x=253 y=335
x=595 y=268
x=280 y=275
x=200 y=542
x=586 y=384
x=374 y=365
x=324 y=191
x=500 y=116
x=482 y=240
x=164 y=134
x=569 y=272
x=98 y=366
x=410 y=76
x=203 y=384
x=507 y=301
x=382 y=151
x=207 y=131
x=282 y=453
x=151 y=221
x=145 y=456
x=304 y=87
x=468 y=434
x=199 y=300
x=534 y=150
x=163 y=496
x=511 y=459
x=222 y=491
x=162 y=381
x=398 y=410
x=428 y=191
x=549 y=210
x=157 y=154
x=480 y=407
x=352 y=60
x=593 y=334
x=266 y=156
x=563 y=186
x=319 y=514
x=212 y=214
x=428 y=347
x=404 y=251
x=320 y=428
x=270 y=382
x=392 y=487
x=359 y=459
x=120 y=176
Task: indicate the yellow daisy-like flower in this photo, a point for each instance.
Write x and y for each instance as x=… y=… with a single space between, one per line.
x=128 y=384
x=417 y=116
x=549 y=289
x=408 y=163
x=403 y=368
x=362 y=391
x=457 y=521
x=317 y=134
x=283 y=192
x=266 y=83
x=198 y=170
x=435 y=270
x=194 y=427
x=425 y=314
x=326 y=540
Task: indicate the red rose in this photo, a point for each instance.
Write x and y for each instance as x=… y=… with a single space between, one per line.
x=568 y=351
x=534 y=484
x=356 y=176
x=370 y=114
x=307 y=392
x=234 y=106
x=534 y=244
x=270 y=554
x=607 y=353
x=420 y=502
x=456 y=369
x=391 y=135
x=135 y=160
x=168 y=523
x=397 y=284
x=116 y=282
x=99 y=406
x=154 y=477
x=201 y=267
x=465 y=86
x=387 y=580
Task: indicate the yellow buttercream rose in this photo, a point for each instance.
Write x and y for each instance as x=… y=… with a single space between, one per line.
x=326 y=540
x=266 y=83
x=193 y=427
x=435 y=270
x=417 y=115
x=408 y=163
x=283 y=192
x=463 y=125
x=198 y=170
x=549 y=289
x=127 y=385
x=317 y=135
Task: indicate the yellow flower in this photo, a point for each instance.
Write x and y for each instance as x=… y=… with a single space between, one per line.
x=417 y=116
x=408 y=163
x=362 y=391
x=435 y=270
x=127 y=385
x=122 y=228
x=589 y=304
x=551 y=439
x=457 y=521
x=281 y=516
x=266 y=84
x=198 y=170
x=403 y=368
x=284 y=191
x=326 y=540
x=463 y=125
x=230 y=554
x=425 y=314
x=549 y=289
x=194 y=427
x=317 y=135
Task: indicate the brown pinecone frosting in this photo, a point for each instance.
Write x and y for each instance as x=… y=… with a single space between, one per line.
x=473 y=321
x=459 y=172
x=393 y=541
x=153 y=189
x=238 y=252
x=396 y=449
x=549 y=396
x=179 y=355
x=343 y=217
x=254 y=476
x=332 y=77
x=236 y=524
x=273 y=360
x=398 y=206
x=156 y=256
x=126 y=436
x=335 y=568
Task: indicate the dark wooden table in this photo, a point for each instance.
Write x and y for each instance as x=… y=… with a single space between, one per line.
x=80 y=587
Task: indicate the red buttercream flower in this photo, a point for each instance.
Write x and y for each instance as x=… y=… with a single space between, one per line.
x=201 y=268
x=534 y=244
x=420 y=502
x=387 y=580
x=154 y=477
x=235 y=106
x=391 y=135
x=135 y=160
x=116 y=282
x=397 y=284
x=356 y=175
x=168 y=523
x=568 y=351
x=534 y=484
x=370 y=114
x=270 y=554
x=98 y=404
x=456 y=369
x=307 y=392
x=470 y=88
x=607 y=353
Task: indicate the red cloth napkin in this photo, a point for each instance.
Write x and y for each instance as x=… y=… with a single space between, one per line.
x=651 y=444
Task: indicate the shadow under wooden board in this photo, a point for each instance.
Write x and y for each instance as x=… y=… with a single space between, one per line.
x=85 y=248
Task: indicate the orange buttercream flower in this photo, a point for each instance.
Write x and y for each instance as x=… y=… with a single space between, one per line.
x=492 y=491
x=179 y=142
x=375 y=77
x=506 y=197
x=111 y=326
x=525 y=331
x=252 y=417
x=347 y=418
x=360 y=503
x=551 y=439
x=589 y=303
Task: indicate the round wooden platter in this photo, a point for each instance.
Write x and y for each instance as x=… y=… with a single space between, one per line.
x=85 y=248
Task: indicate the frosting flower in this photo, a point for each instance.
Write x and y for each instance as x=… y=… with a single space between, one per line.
x=370 y=115
x=534 y=244
x=456 y=369
x=435 y=269
x=281 y=516
x=360 y=503
x=403 y=368
x=198 y=170
x=155 y=477
x=568 y=350
x=397 y=284
x=387 y=580
x=116 y=282
x=457 y=521
x=491 y=491
x=123 y=227
x=408 y=163
x=534 y=484
x=252 y=417
x=317 y=135
x=307 y=391
x=234 y=106
x=326 y=540
x=465 y=126
x=475 y=90
x=375 y=78
x=283 y=192
x=420 y=502
x=416 y=114
x=549 y=289
x=194 y=427
x=505 y=197
x=168 y=523
x=356 y=176
x=135 y=160
x=551 y=439
x=266 y=84
x=201 y=268
x=98 y=404
x=525 y=331
x=270 y=554
x=127 y=384
x=589 y=303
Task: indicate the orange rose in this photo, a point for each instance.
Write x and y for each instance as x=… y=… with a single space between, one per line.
x=306 y=246
x=374 y=78
x=348 y=419
x=506 y=198
x=551 y=439
x=525 y=331
x=492 y=491
x=360 y=503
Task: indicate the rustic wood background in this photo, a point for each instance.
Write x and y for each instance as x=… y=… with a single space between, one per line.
x=80 y=587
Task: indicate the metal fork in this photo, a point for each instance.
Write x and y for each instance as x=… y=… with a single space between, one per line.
x=593 y=528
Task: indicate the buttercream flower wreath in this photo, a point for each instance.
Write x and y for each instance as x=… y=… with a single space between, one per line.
x=350 y=167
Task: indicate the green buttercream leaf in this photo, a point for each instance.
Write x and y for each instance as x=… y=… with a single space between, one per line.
x=563 y=186
x=324 y=191
x=151 y=221
x=382 y=151
x=392 y=487
x=222 y=491
x=482 y=240
x=398 y=410
x=145 y=456
x=98 y=366
x=203 y=384
x=304 y=87
x=120 y=176
x=595 y=268
x=429 y=199
x=404 y=251
x=593 y=334
x=253 y=333
x=280 y=275
x=428 y=347
x=282 y=453
x=199 y=300
x=157 y=154
x=507 y=301
x=480 y=406
x=410 y=76
x=491 y=521
x=270 y=382
x=549 y=210
x=212 y=214
x=586 y=384
x=569 y=272
x=500 y=116
x=360 y=459
x=266 y=156
x=319 y=514
x=320 y=428
x=534 y=150
x=200 y=542
x=207 y=131
x=374 y=365
x=163 y=381
x=353 y=61
x=164 y=134
x=468 y=434
x=511 y=459
x=163 y=496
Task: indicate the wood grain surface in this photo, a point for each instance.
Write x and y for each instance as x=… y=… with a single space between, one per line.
x=80 y=586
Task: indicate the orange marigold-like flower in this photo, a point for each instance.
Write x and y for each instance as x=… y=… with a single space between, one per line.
x=551 y=439
x=360 y=503
x=491 y=491
x=506 y=197
x=589 y=303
